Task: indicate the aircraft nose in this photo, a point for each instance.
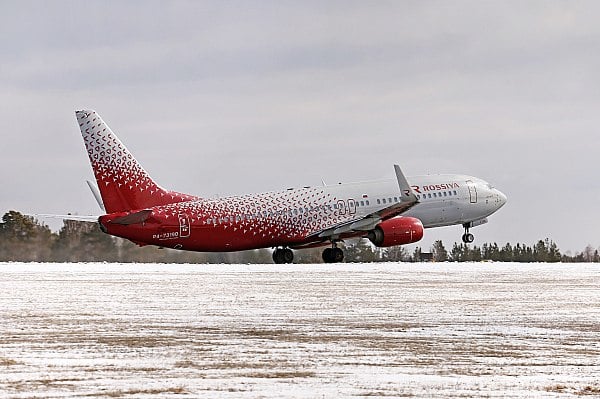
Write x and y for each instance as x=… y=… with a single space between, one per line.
x=501 y=198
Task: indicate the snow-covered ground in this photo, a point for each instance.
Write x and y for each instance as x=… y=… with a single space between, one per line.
x=310 y=331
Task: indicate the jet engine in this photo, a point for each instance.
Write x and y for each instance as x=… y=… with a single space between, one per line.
x=396 y=231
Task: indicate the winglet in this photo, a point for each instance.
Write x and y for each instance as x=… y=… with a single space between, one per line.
x=406 y=193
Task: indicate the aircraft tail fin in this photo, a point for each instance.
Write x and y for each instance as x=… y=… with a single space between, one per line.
x=124 y=185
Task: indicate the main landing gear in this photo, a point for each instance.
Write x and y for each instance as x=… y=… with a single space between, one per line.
x=330 y=255
x=333 y=254
x=283 y=255
x=467 y=237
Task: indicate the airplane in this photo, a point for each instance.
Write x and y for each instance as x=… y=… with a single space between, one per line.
x=387 y=212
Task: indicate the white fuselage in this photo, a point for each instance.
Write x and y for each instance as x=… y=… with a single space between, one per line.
x=443 y=199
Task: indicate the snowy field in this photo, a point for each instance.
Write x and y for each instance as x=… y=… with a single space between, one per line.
x=299 y=331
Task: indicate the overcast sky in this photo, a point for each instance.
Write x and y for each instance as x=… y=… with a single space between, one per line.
x=221 y=98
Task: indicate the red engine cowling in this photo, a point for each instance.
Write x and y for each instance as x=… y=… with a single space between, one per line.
x=396 y=231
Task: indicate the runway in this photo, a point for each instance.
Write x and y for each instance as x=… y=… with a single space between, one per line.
x=300 y=331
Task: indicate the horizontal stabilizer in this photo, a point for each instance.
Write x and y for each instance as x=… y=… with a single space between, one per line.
x=79 y=218
x=133 y=218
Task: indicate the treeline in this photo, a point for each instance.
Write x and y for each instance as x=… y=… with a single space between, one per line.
x=24 y=239
x=543 y=251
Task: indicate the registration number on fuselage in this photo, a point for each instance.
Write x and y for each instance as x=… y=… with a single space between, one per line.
x=166 y=236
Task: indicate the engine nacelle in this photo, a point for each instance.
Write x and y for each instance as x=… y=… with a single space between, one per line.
x=396 y=231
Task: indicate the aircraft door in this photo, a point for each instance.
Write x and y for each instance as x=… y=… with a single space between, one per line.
x=184 y=225
x=472 y=191
x=351 y=206
x=341 y=207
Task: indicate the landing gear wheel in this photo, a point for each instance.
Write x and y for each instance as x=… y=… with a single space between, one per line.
x=283 y=255
x=288 y=255
x=338 y=255
x=278 y=256
x=328 y=255
x=333 y=255
x=467 y=237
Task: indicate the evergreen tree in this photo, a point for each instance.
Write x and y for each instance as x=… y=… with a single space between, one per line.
x=362 y=251
x=395 y=254
x=416 y=255
x=506 y=253
x=23 y=238
x=553 y=251
x=439 y=251
x=457 y=253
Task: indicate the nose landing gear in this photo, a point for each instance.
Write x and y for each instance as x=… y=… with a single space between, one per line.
x=283 y=255
x=467 y=237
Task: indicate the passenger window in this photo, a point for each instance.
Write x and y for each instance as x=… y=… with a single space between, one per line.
x=395 y=199
x=455 y=192
x=445 y=194
x=383 y=200
x=428 y=195
x=367 y=202
x=378 y=201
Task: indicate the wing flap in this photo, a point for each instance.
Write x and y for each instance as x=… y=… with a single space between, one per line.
x=361 y=224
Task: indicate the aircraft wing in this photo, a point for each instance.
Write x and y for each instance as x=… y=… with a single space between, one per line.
x=408 y=199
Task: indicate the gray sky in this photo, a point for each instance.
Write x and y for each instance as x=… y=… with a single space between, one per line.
x=220 y=98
